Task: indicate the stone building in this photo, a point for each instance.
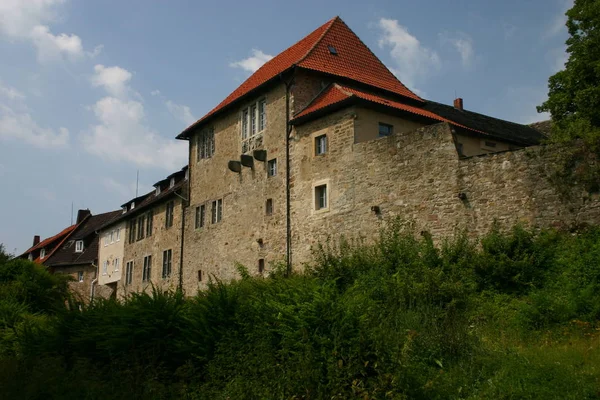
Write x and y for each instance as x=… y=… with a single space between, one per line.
x=152 y=237
x=323 y=140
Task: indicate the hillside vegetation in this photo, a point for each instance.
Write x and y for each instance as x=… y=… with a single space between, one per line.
x=512 y=316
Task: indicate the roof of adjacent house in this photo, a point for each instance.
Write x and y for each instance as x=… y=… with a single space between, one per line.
x=149 y=199
x=86 y=231
x=336 y=96
x=498 y=128
x=50 y=240
x=332 y=49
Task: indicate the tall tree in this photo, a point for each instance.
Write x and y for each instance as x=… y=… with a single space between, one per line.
x=574 y=97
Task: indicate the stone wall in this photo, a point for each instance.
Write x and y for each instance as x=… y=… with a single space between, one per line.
x=162 y=239
x=245 y=234
x=82 y=289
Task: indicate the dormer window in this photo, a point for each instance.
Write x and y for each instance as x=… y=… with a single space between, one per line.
x=79 y=246
x=187 y=174
x=30 y=257
x=124 y=209
x=172 y=183
x=132 y=205
x=157 y=191
x=42 y=253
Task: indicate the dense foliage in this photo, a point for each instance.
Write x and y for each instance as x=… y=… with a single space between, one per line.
x=511 y=316
x=574 y=97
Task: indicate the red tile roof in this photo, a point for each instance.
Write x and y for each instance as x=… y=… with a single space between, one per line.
x=354 y=60
x=336 y=93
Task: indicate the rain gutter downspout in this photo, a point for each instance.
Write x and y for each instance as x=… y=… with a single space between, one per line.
x=288 y=218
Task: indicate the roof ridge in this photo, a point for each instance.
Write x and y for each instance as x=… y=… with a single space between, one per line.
x=344 y=90
x=329 y=25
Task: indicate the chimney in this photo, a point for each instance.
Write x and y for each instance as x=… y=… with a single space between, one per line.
x=36 y=240
x=458 y=104
x=81 y=214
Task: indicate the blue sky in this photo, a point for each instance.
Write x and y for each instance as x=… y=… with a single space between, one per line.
x=92 y=91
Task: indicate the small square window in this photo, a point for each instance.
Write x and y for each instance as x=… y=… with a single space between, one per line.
x=79 y=246
x=272 y=167
x=269 y=207
x=385 y=129
x=320 y=197
x=261 y=266
x=320 y=145
x=80 y=276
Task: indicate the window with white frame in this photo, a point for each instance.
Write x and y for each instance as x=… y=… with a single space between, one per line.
x=272 y=167
x=78 y=246
x=200 y=212
x=146 y=272
x=320 y=145
x=106 y=240
x=171 y=183
x=167 y=255
x=118 y=234
x=42 y=253
x=80 y=276
x=253 y=123
x=205 y=144
x=321 y=197
x=129 y=273
x=112 y=237
x=105 y=268
x=116 y=264
x=217 y=211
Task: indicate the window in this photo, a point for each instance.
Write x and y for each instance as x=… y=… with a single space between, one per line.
x=166 y=272
x=42 y=253
x=206 y=144
x=272 y=167
x=199 y=275
x=200 y=211
x=269 y=207
x=106 y=240
x=79 y=246
x=157 y=190
x=112 y=237
x=489 y=144
x=217 y=211
x=30 y=257
x=261 y=265
x=132 y=226
x=132 y=205
x=262 y=115
x=141 y=225
x=147 y=269
x=320 y=145
x=149 y=223
x=118 y=234
x=129 y=273
x=169 y=214
x=172 y=183
x=254 y=122
x=116 y=264
x=320 y=197
x=385 y=129
x=105 y=268
x=80 y=276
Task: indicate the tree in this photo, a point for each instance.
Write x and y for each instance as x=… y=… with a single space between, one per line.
x=4 y=256
x=574 y=97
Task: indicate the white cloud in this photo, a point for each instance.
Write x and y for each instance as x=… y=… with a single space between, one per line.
x=21 y=126
x=155 y=92
x=53 y=47
x=412 y=60
x=181 y=112
x=462 y=43
x=122 y=135
x=113 y=79
x=252 y=63
x=11 y=93
x=27 y=20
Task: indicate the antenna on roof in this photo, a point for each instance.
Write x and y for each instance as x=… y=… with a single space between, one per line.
x=71 y=213
x=137 y=181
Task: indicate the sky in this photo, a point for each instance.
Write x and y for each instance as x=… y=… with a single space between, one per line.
x=94 y=91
